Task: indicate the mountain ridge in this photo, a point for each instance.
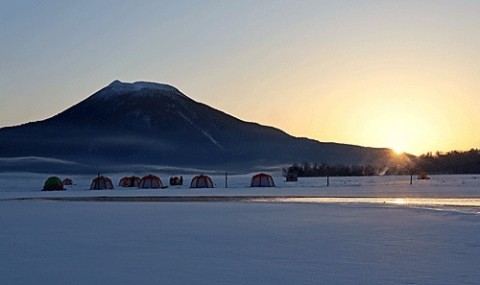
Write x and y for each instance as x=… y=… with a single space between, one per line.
x=156 y=124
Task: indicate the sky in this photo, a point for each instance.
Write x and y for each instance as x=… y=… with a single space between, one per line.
x=397 y=74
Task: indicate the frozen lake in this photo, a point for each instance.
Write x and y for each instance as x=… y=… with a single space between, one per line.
x=369 y=230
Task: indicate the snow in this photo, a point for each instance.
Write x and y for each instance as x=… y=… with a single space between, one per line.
x=117 y=87
x=269 y=242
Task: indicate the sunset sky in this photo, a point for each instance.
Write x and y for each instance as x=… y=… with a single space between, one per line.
x=398 y=74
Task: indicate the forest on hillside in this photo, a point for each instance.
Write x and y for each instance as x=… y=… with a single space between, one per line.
x=454 y=162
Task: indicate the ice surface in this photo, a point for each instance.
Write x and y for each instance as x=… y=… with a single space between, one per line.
x=44 y=242
x=234 y=243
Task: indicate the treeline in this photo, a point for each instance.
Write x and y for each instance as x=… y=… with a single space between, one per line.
x=454 y=162
x=307 y=169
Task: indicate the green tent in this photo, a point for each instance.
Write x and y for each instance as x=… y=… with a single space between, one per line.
x=53 y=184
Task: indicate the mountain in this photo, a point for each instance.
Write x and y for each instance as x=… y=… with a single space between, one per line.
x=153 y=124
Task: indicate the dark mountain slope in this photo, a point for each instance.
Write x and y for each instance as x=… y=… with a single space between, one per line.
x=149 y=123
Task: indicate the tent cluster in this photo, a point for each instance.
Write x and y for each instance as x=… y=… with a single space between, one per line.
x=151 y=182
x=154 y=182
x=148 y=182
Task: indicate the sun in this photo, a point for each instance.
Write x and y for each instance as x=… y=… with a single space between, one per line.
x=398 y=150
x=398 y=144
x=397 y=140
x=390 y=115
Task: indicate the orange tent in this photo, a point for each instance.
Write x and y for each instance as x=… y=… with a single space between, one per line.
x=100 y=183
x=262 y=180
x=130 y=181
x=201 y=181
x=150 y=181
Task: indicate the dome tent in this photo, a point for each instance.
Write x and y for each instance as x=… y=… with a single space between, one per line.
x=129 y=181
x=262 y=180
x=53 y=184
x=100 y=183
x=150 y=181
x=201 y=181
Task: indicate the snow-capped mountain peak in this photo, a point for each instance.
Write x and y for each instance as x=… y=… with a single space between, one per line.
x=118 y=87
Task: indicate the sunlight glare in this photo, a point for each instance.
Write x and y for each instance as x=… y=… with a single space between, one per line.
x=400 y=201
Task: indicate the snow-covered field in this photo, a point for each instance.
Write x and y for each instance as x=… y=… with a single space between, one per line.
x=370 y=232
